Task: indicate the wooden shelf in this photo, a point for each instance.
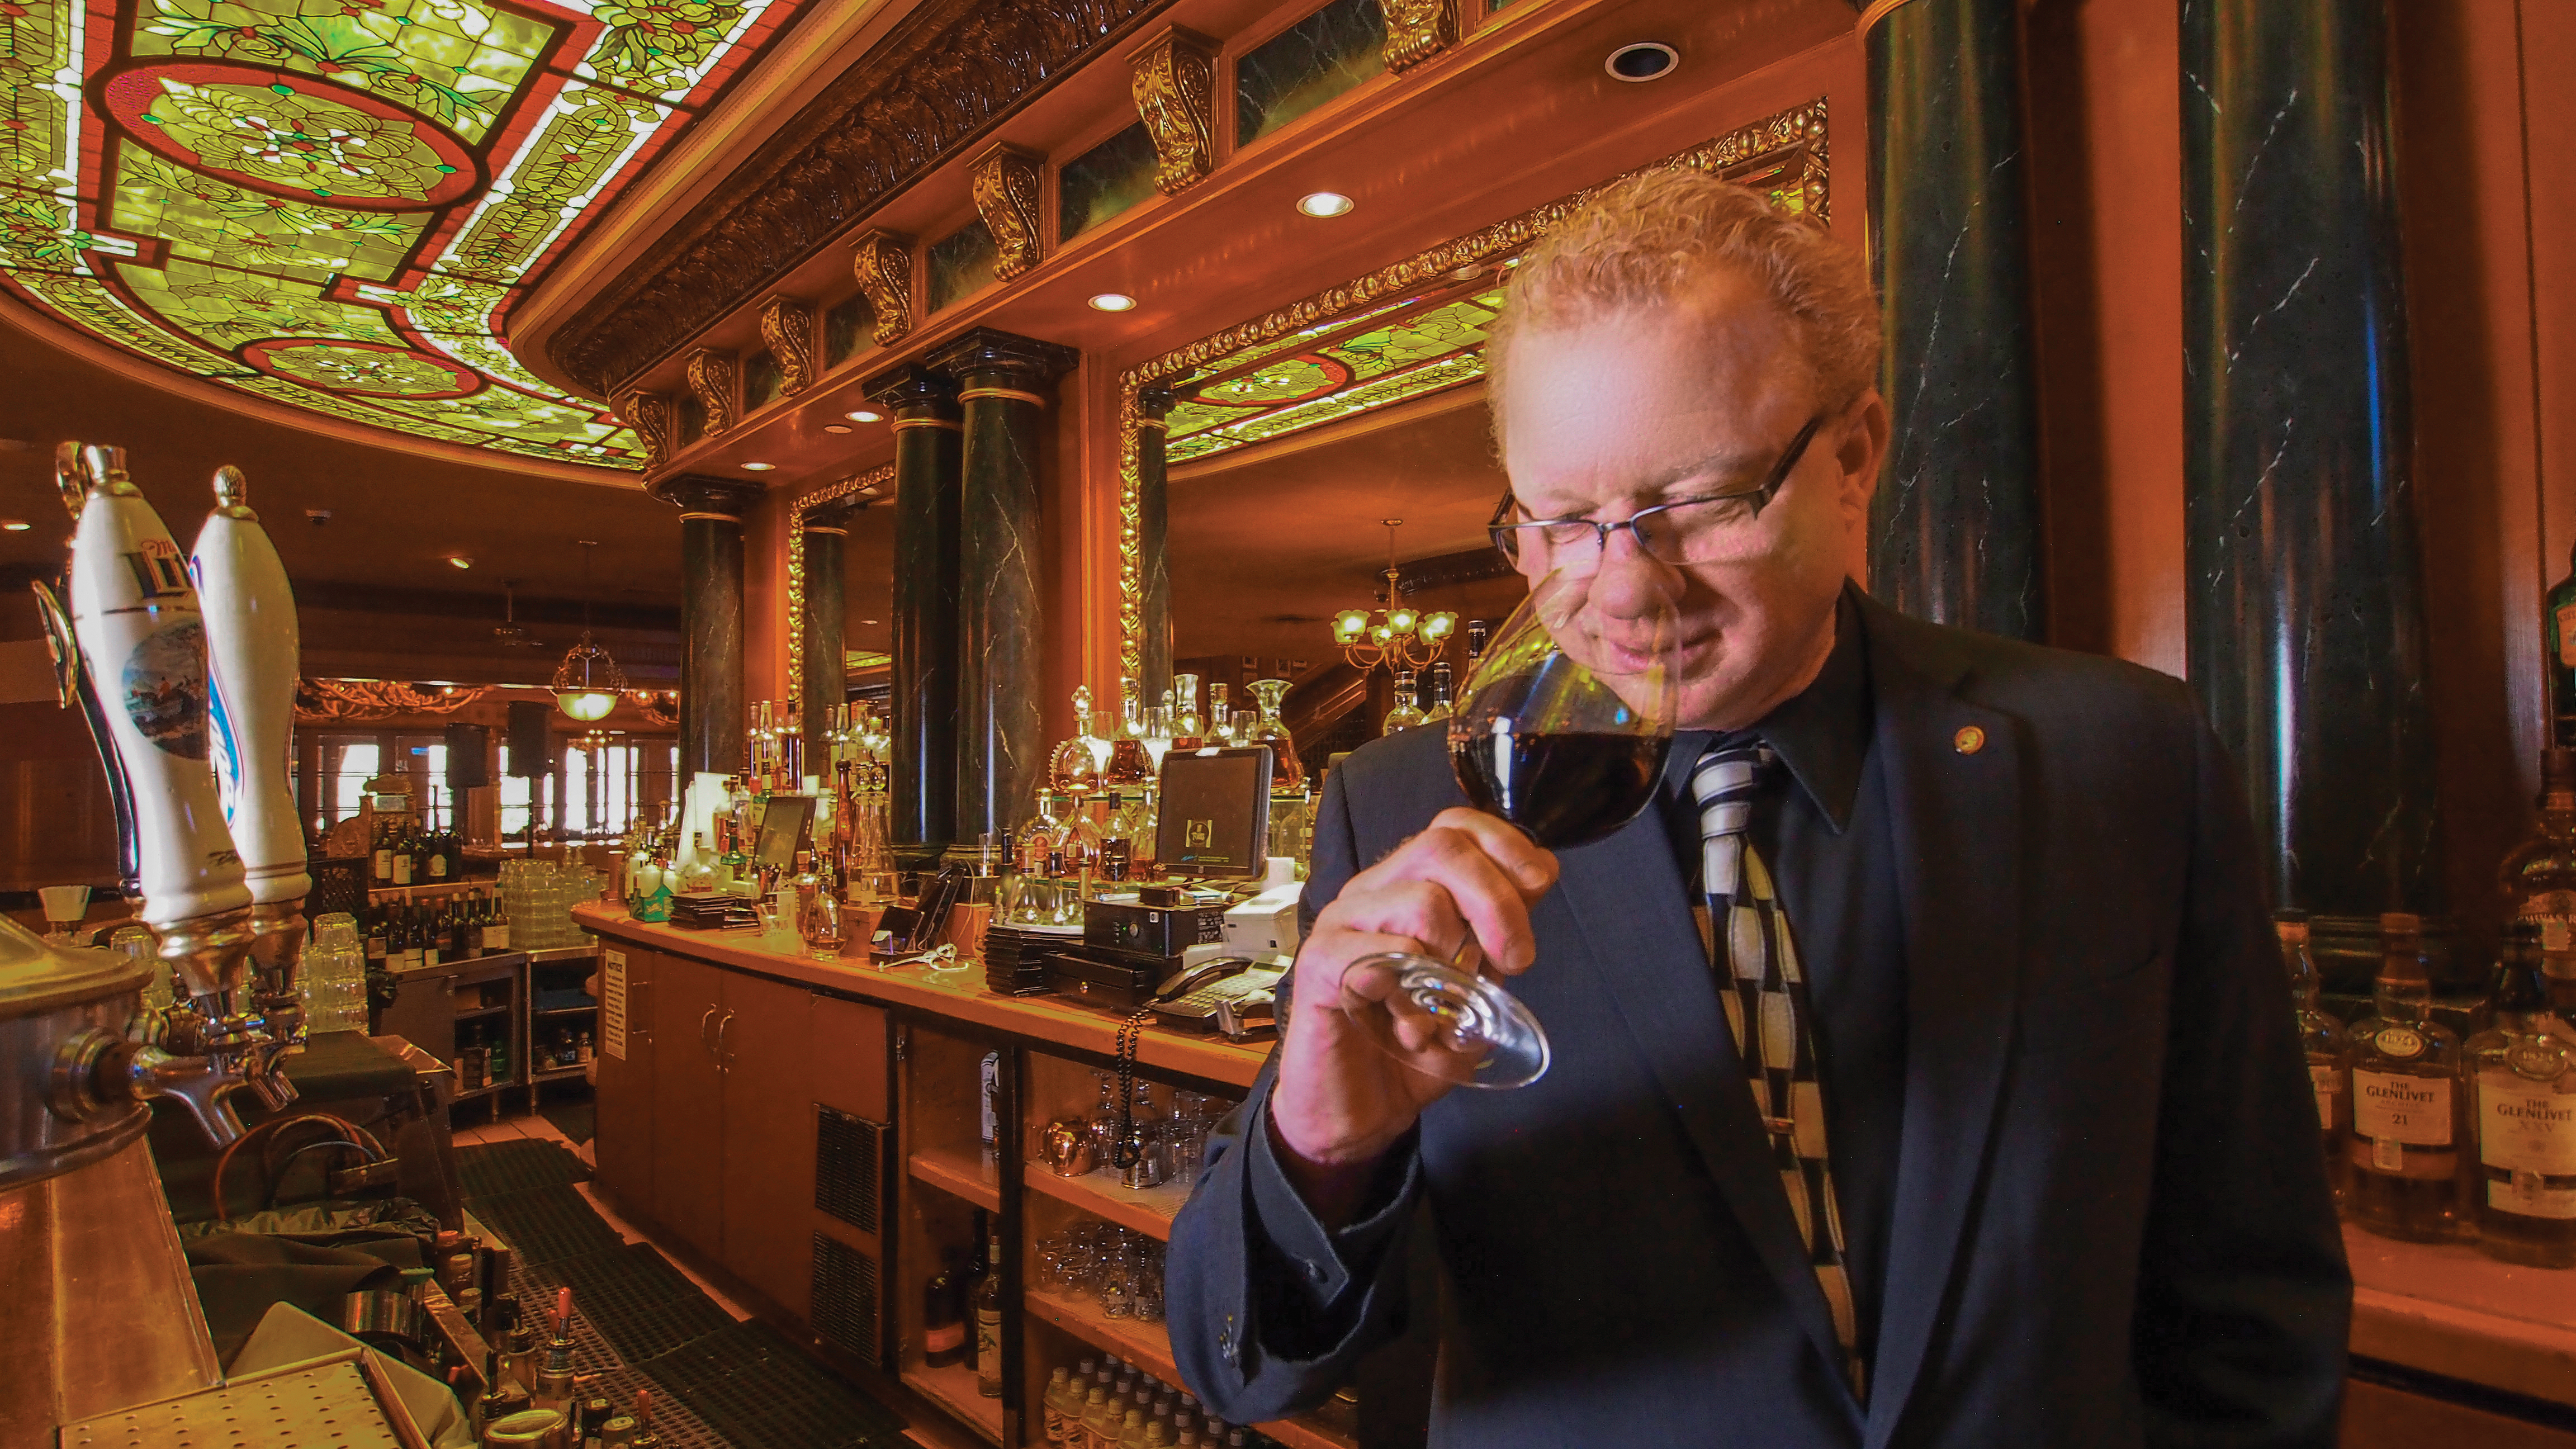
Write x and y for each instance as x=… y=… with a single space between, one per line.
x=550 y=1074
x=1147 y=1210
x=564 y=1010
x=953 y=1388
x=483 y=1091
x=1150 y=1345
x=2446 y=1308
x=471 y=1012
x=551 y=955
x=971 y=1175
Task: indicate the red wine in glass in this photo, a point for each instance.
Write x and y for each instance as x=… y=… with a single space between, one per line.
x=1564 y=789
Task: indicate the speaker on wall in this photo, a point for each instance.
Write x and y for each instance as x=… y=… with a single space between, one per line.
x=469 y=756
x=530 y=756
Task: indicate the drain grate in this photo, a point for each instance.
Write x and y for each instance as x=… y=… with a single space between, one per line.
x=547 y=1223
x=494 y=1168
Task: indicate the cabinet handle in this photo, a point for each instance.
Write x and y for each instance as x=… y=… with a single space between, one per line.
x=723 y=1063
x=703 y=1043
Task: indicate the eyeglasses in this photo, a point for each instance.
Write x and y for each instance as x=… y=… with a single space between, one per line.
x=1685 y=531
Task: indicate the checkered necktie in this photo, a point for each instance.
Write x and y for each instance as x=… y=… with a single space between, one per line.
x=1748 y=934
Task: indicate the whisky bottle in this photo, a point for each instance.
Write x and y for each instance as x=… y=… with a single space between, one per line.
x=2539 y=876
x=2558 y=636
x=2407 y=1102
x=2329 y=1050
x=1129 y=766
x=1407 y=711
x=1074 y=768
x=382 y=846
x=1444 y=696
x=988 y=1322
x=402 y=857
x=2524 y=1081
x=943 y=1326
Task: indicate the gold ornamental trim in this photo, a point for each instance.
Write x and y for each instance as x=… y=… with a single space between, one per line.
x=1877 y=11
x=1417 y=30
x=1172 y=78
x=882 y=262
x=1792 y=139
x=712 y=378
x=649 y=414
x=875 y=480
x=733 y=518
x=787 y=326
x=951 y=424
x=1012 y=393
x=1006 y=196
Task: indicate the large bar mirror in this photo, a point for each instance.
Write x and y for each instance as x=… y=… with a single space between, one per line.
x=840 y=593
x=1275 y=474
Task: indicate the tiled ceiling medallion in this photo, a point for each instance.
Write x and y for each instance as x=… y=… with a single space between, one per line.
x=334 y=203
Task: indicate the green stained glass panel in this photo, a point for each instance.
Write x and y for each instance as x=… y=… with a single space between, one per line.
x=451 y=60
x=1363 y=362
x=961 y=264
x=1105 y=180
x=211 y=221
x=228 y=307
x=1309 y=63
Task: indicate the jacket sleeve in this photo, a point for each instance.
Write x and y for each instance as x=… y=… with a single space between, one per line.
x=2244 y=1298
x=1268 y=1309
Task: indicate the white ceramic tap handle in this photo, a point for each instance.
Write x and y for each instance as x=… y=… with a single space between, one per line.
x=251 y=656
x=143 y=640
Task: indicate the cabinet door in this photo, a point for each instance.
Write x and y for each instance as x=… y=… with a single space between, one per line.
x=622 y=1140
x=764 y=1041
x=423 y=1013
x=688 y=1103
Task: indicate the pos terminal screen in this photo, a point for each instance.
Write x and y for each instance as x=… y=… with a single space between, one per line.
x=1215 y=814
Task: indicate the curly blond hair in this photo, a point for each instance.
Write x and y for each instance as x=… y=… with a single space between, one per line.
x=1649 y=239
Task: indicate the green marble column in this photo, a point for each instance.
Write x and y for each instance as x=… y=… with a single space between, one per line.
x=712 y=721
x=927 y=449
x=1955 y=531
x=1002 y=382
x=825 y=645
x=1153 y=543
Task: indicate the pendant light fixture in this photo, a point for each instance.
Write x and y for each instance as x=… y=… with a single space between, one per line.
x=588 y=681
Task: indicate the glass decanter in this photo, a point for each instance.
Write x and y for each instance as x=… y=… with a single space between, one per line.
x=1158 y=737
x=1285 y=771
x=1407 y=710
x=1128 y=764
x=1074 y=768
x=1220 y=716
x=1189 y=728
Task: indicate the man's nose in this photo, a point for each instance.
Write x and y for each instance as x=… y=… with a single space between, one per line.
x=1630 y=582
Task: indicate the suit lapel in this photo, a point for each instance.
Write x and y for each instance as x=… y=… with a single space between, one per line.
x=1954 y=793
x=1630 y=899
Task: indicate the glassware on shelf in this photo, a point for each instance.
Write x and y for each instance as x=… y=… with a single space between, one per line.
x=1220 y=715
x=1158 y=738
x=1074 y=768
x=1285 y=771
x=1407 y=710
x=1128 y=765
x=1189 y=727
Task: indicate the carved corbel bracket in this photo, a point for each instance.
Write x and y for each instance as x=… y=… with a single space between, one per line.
x=712 y=378
x=1006 y=196
x=1173 y=78
x=883 y=264
x=649 y=414
x=1417 y=30
x=787 y=325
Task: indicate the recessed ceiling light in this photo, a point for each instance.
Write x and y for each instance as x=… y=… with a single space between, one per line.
x=836 y=427
x=460 y=561
x=1325 y=203
x=1114 y=302
x=15 y=525
x=758 y=467
x=864 y=416
x=1643 y=61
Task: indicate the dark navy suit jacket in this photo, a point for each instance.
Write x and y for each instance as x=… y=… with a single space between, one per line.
x=2111 y=1224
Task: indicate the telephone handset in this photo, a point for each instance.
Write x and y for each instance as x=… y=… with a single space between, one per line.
x=1231 y=994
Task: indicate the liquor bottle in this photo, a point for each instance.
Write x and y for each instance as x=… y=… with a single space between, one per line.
x=382 y=848
x=943 y=1326
x=2539 y=875
x=377 y=943
x=2407 y=1103
x=1128 y=767
x=1407 y=710
x=1220 y=715
x=2329 y=1050
x=1074 y=767
x=988 y=1322
x=1189 y=727
x=482 y=923
x=496 y=929
x=2558 y=634
x=433 y=946
x=2524 y=1079
x=1286 y=773
x=735 y=873
x=402 y=856
x=698 y=877
x=1443 y=692
x=435 y=847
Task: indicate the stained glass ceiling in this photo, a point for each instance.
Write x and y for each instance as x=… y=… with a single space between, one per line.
x=333 y=203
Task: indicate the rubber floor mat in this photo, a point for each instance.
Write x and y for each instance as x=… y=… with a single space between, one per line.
x=752 y=1386
x=546 y=1224
x=493 y=1168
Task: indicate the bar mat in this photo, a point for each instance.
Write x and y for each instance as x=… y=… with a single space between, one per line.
x=760 y=1391
x=546 y=1223
x=492 y=1168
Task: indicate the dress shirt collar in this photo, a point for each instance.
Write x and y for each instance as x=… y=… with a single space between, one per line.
x=1822 y=732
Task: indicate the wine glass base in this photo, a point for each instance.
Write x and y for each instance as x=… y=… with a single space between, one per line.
x=1444 y=1022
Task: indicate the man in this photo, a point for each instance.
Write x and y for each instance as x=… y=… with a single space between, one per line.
x=2019 y=1151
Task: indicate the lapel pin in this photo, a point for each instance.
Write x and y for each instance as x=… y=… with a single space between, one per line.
x=1968 y=740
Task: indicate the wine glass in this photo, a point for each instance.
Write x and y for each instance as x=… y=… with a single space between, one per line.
x=1562 y=731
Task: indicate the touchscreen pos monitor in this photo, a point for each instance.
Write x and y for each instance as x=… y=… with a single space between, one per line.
x=782 y=830
x=1214 y=820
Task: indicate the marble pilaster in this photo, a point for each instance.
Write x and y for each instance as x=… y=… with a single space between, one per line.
x=825 y=646
x=1002 y=742
x=711 y=653
x=927 y=448
x=2305 y=620
x=1955 y=531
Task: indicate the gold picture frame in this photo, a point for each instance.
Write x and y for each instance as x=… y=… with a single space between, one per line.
x=875 y=480
x=1788 y=147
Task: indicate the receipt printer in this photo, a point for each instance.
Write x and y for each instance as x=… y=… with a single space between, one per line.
x=1265 y=924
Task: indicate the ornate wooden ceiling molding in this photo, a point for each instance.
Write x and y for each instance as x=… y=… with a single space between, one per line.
x=883 y=263
x=1417 y=30
x=787 y=325
x=938 y=81
x=649 y=414
x=1174 y=83
x=711 y=377
x=1006 y=196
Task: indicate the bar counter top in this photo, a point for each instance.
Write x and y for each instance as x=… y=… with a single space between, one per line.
x=2443 y=1309
x=781 y=956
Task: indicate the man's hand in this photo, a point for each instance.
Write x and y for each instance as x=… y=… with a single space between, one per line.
x=1460 y=891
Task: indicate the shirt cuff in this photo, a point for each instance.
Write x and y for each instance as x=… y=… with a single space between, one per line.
x=1326 y=1261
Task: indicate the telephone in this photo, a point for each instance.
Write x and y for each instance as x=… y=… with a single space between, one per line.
x=1231 y=994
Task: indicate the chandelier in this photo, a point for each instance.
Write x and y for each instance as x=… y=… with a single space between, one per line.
x=1395 y=636
x=588 y=681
